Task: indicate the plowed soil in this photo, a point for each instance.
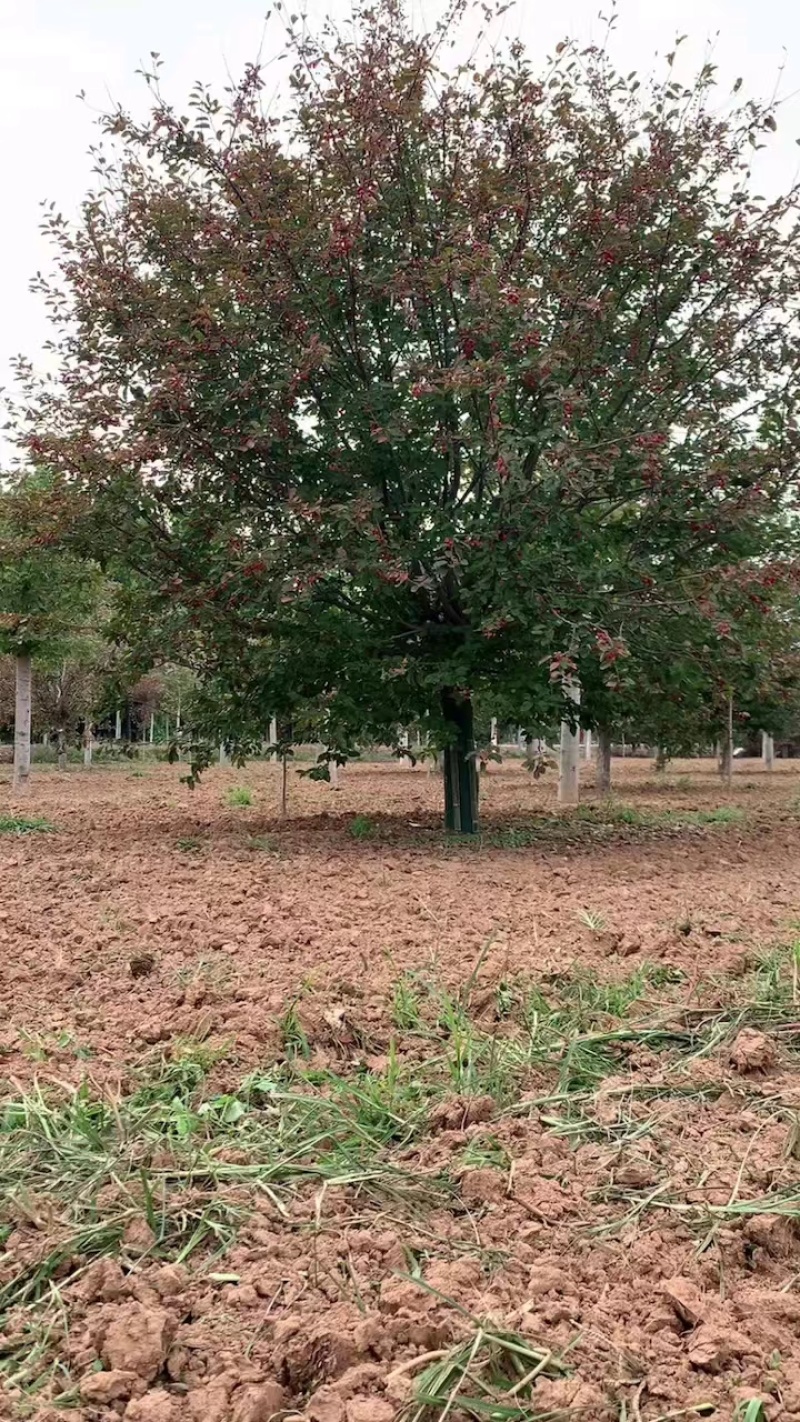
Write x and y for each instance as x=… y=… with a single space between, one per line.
x=625 y=1196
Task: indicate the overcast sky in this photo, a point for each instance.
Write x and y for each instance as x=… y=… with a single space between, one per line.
x=52 y=49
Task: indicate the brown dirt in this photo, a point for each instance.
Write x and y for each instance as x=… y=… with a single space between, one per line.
x=155 y=914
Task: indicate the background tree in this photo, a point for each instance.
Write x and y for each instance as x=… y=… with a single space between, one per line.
x=47 y=595
x=424 y=381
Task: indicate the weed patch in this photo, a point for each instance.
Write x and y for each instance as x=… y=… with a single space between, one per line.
x=239 y=796
x=25 y=824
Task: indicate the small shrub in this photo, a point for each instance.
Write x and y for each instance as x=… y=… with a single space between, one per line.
x=361 y=827
x=239 y=795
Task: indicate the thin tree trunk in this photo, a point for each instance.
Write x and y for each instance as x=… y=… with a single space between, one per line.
x=223 y=755
x=726 y=758
x=152 y=726
x=661 y=759
x=284 y=785
x=88 y=744
x=118 y=727
x=569 y=756
x=587 y=745
x=460 y=774
x=333 y=771
x=273 y=738
x=405 y=760
x=22 y=725
x=62 y=748
x=604 y=760
x=767 y=750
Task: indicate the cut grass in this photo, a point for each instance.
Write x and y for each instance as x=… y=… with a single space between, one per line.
x=491 y=1375
x=162 y=1153
x=25 y=824
x=78 y=1166
x=607 y=821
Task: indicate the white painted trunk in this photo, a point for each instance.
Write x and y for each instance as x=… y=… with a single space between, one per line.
x=22 y=725
x=273 y=737
x=587 y=745
x=223 y=756
x=152 y=728
x=62 y=748
x=333 y=769
x=767 y=750
x=569 y=757
x=493 y=734
x=726 y=758
x=405 y=760
x=88 y=746
x=118 y=727
x=604 y=760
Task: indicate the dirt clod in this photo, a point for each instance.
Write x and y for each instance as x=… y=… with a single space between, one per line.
x=258 y=1403
x=109 y=1386
x=137 y=1340
x=155 y=1406
x=752 y=1051
x=686 y=1299
x=141 y=965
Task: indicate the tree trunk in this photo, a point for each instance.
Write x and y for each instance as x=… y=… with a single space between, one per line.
x=152 y=726
x=333 y=771
x=767 y=750
x=726 y=758
x=118 y=727
x=587 y=745
x=62 y=748
x=88 y=745
x=273 y=737
x=569 y=757
x=284 y=785
x=661 y=759
x=22 y=725
x=460 y=773
x=604 y=759
x=223 y=755
x=405 y=760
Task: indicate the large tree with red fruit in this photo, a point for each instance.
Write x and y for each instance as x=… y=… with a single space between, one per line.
x=426 y=381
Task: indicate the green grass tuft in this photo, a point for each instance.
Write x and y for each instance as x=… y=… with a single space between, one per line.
x=25 y=824
x=239 y=795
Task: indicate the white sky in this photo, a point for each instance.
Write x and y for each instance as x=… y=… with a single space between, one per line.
x=52 y=49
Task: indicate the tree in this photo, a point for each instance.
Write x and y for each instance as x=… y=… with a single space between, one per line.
x=424 y=383
x=739 y=645
x=46 y=596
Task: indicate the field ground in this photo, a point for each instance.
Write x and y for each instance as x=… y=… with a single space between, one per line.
x=338 y=1120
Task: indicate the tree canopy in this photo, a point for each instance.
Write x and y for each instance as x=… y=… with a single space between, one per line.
x=428 y=382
